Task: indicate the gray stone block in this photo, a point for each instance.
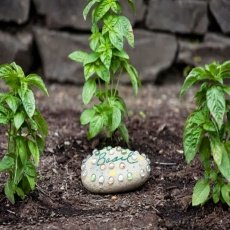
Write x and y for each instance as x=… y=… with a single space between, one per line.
x=153 y=53
x=180 y=16
x=54 y=48
x=14 y=11
x=16 y=48
x=63 y=13
x=136 y=16
x=221 y=11
x=214 y=48
x=68 y=13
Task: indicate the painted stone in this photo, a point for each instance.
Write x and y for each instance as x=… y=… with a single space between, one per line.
x=113 y=170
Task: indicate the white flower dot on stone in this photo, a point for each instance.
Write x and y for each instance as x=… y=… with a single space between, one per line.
x=93 y=177
x=123 y=152
x=83 y=167
x=130 y=176
x=134 y=156
x=84 y=173
x=101 y=180
x=143 y=155
x=95 y=151
x=118 y=149
x=111 y=165
x=111 y=180
x=120 y=178
x=103 y=167
x=94 y=161
x=148 y=168
x=112 y=152
x=148 y=161
x=108 y=148
x=122 y=165
x=142 y=173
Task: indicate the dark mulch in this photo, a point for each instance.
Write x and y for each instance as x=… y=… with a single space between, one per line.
x=164 y=202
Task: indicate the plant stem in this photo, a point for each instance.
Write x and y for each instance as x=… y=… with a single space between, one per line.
x=118 y=81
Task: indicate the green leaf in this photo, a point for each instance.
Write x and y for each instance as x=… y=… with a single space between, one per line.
x=18 y=69
x=191 y=139
x=124 y=132
x=89 y=90
x=217 y=149
x=32 y=182
x=41 y=124
x=78 y=56
x=34 y=151
x=30 y=170
x=89 y=70
x=96 y=126
x=216 y=104
x=3 y=119
x=19 y=119
x=102 y=9
x=23 y=88
x=91 y=58
x=95 y=40
x=205 y=152
x=121 y=54
x=116 y=7
x=133 y=77
x=225 y=70
x=28 y=102
x=200 y=192
x=10 y=190
x=87 y=116
x=3 y=110
x=88 y=8
x=216 y=193
x=106 y=58
x=132 y=4
x=224 y=167
x=41 y=143
x=116 y=39
x=225 y=192
x=35 y=80
x=116 y=118
x=194 y=76
x=6 y=163
x=12 y=102
x=22 y=149
x=127 y=29
x=199 y=117
x=209 y=126
x=103 y=73
x=20 y=192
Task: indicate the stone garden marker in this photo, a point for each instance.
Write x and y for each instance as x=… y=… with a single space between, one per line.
x=113 y=170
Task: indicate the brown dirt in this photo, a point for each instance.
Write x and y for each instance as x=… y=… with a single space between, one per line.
x=164 y=202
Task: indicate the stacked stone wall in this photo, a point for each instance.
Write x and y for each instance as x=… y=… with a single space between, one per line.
x=39 y=34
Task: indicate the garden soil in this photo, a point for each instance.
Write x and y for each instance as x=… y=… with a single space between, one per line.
x=164 y=202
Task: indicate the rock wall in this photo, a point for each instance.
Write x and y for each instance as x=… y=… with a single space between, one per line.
x=39 y=35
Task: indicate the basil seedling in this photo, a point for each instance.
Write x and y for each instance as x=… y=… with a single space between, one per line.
x=104 y=66
x=207 y=132
x=26 y=130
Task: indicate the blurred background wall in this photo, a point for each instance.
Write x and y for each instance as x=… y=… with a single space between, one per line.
x=170 y=35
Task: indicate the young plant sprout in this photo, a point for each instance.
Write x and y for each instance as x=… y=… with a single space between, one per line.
x=207 y=132
x=26 y=130
x=104 y=66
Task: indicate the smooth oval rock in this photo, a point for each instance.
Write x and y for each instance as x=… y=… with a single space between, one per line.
x=113 y=170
